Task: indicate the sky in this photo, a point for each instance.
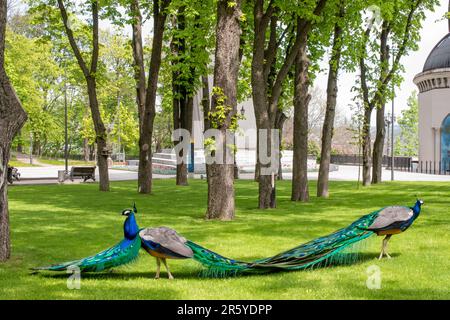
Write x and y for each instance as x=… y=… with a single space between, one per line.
x=434 y=29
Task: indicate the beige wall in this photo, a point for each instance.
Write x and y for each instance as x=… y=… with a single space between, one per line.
x=434 y=106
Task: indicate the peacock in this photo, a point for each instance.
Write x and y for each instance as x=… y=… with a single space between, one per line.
x=164 y=243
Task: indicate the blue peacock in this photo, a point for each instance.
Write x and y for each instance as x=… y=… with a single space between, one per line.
x=164 y=243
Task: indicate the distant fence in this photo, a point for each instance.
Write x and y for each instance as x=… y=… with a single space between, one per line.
x=354 y=159
x=430 y=167
x=400 y=164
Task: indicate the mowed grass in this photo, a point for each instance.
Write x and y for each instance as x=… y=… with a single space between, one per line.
x=61 y=162
x=56 y=223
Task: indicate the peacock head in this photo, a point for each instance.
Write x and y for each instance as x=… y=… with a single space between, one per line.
x=128 y=212
x=418 y=206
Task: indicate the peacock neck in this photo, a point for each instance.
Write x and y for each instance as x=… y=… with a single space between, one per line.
x=416 y=210
x=130 y=227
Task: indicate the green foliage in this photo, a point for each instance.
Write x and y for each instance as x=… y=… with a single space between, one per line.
x=402 y=21
x=313 y=148
x=222 y=112
x=407 y=143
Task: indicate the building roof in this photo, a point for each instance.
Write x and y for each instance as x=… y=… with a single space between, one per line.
x=440 y=55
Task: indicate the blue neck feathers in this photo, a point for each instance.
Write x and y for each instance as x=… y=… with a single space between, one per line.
x=130 y=227
x=416 y=209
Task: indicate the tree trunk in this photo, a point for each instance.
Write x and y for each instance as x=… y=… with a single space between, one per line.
x=100 y=130
x=378 y=146
x=206 y=104
x=180 y=95
x=267 y=81
x=138 y=57
x=328 y=124
x=148 y=111
x=86 y=149
x=12 y=118
x=366 y=146
x=221 y=176
x=300 y=191
x=90 y=77
x=279 y=123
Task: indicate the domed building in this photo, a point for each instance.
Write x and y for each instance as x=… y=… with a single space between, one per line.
x=434 y=107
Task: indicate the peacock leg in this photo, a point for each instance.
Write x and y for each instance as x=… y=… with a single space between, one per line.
x=167 y=268
x=158 y=268
x=382 y=250
x=385 y=247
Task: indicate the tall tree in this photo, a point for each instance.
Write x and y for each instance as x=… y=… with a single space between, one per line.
x=400 y=28
x=300 y=190
x=332 y=91
x=268 y=74
x=224 y=108
x=12 y=118
x=146 y=95
x=90 y=75
x=190 y=30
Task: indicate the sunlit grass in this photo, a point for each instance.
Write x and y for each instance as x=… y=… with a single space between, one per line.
x=61 y=162
x=56 y=223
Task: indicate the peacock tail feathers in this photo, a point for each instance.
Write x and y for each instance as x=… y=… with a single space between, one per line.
x=340 y=247
x=122 y=253
x=215 y=265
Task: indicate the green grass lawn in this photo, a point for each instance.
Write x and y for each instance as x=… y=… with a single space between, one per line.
x=61 y=162
x=55 y=223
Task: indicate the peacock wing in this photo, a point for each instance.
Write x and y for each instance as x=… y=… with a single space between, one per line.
x=390 y=215
x=167 y=238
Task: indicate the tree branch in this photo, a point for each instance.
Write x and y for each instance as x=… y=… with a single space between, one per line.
x=72 y=42
x=95 y=47
x=303 y=28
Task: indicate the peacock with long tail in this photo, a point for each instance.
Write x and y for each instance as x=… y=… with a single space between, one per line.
x=164 y=243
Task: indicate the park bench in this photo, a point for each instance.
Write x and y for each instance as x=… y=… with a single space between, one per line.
x=84 y=172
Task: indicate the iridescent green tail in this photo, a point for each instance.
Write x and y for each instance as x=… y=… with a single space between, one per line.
x=122 y=253
x=319 y=252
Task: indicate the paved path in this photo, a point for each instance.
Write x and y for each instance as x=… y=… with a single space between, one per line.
x=43 y=175
x=350 y=173
x=49 y=174
x=24 y=158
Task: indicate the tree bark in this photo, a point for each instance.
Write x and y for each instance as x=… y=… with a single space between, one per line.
x=206 y=105
x=86 y=149
x=138 y=57
x=12 y=118
x=90 y=77
x=267 y=83
x=279 y=123
x=328 y=124
x=366 y=146
x=221 y=176
x=180 y=95
x=147 y=96
x=378 y=145
x=379 y=96
x=300 y=190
